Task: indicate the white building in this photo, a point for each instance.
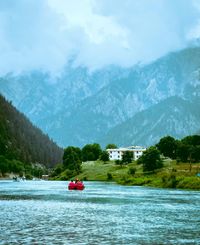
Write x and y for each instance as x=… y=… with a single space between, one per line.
x=116 y=154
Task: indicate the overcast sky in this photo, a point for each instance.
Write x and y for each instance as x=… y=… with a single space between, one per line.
x=44 y=34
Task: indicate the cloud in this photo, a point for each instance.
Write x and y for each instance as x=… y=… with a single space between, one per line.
x=46 y=34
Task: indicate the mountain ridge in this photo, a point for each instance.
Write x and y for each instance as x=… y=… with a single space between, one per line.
x=173 y=116
x=75 y=116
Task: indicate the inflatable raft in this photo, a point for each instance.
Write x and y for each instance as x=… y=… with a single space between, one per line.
x=76 y=186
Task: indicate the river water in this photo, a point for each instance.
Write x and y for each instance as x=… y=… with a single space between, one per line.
x=45 y=212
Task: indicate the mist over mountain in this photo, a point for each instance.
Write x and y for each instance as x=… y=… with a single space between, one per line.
x=80 y=106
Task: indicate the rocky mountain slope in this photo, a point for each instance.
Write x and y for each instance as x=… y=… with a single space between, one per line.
x=177 y=74
x=173 y=116
x=81 y=107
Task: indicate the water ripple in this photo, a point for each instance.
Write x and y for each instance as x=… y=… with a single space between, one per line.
x=45 y=212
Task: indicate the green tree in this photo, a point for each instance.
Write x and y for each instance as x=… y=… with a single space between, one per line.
x=72 y=158
x=182 y=152
x=118 y=162
x=191 y=140
x=57 y=170
x=4 y=168
x=127 y=157
x=167 y=146
x=91 y=152
x=111 y=146
x=151 y=159
x=196 y=153
x=104 y=156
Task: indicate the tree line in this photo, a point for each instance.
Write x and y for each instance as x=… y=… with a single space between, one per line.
x=184 y=150
x=23 y=143
x=74 y=156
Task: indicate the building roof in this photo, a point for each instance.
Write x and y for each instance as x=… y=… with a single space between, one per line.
x=129 y=148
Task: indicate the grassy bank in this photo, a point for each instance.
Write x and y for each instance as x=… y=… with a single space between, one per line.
x=172 y=175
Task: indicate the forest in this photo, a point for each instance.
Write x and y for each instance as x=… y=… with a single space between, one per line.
x=22 y=143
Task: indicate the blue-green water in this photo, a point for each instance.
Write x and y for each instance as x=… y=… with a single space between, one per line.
x=45 y=212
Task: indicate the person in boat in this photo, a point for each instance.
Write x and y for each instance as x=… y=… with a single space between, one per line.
x=78 y=185
x=72 y=185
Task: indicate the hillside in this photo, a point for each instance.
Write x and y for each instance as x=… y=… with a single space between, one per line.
x=20 y=140
x=173 y=116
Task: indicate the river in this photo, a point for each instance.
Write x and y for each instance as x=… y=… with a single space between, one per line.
x=45 y=212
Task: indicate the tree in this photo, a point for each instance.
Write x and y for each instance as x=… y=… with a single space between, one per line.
x=104 y=156
x=3 y=165
x=196 y=153
x=167 y=146
x=91 y=152
x=151 y=159
x=72 y=158
x=127 y=157
x=191 y=140
x=182 y=152
x=111 y=146
x=118 y=162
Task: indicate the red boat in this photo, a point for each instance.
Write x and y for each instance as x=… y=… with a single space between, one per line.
x=76 y=186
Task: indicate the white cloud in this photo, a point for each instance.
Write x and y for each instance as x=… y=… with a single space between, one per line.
x=45 y=34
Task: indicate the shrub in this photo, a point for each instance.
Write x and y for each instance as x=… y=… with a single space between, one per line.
x=132 y=171
x=109 y=176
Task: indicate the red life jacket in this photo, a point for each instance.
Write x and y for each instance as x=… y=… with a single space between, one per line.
x=80 y=186
x=72 y=186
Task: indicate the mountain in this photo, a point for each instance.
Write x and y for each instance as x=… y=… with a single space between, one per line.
x=176 y=74
x=47 y=101
x=20 y=140
x=172 y=116
x=80 y=106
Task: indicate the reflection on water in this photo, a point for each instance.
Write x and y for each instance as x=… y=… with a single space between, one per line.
x=45 y=212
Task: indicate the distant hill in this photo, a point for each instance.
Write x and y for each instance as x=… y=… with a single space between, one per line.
x=173 y=116
x=20 y=140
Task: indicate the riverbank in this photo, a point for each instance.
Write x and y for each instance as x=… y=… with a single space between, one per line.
x=172 y=175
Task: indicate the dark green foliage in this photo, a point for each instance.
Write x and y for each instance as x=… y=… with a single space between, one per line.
x=167 y=146
x=72 y=158
x=169 y=181
x=22 y=141
x=118 y=162
x=188 y=149
x=185 y=150
x=109 y=176
x=19 y=168
x=104 y=156
x=91 y=152
x=57 y=170
x=4 y=168
x=195 y=153
x=132 y=171
x=193 y=140
x=127 y=157
x=111 y=146
x=151 y=159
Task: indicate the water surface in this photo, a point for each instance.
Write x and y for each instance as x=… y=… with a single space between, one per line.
x=45 y=212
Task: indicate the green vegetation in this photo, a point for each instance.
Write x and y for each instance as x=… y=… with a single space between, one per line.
x=172 y=175
x=23 y=147
x=184 y=150
x=154 y=168
x=91 y=152
x=111 y=146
